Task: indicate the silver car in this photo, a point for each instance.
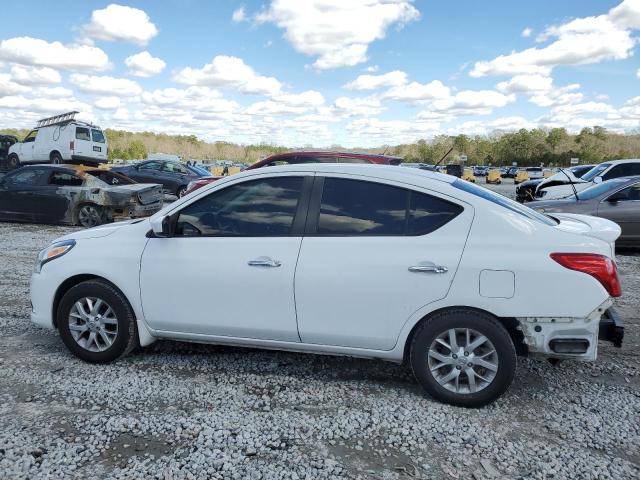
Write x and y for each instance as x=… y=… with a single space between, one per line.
x=617 y=200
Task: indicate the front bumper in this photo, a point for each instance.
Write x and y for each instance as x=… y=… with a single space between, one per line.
x=571 y=338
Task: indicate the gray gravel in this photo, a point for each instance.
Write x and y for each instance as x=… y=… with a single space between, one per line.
x=183 y=411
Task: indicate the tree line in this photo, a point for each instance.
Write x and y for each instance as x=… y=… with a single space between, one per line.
x=554 y=147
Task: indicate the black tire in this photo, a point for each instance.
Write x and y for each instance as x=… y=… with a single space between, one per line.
x=126 y=338
x=485 y=325
x=90 y=215
x=14 y=161
x=56 y=158
x=181 y=191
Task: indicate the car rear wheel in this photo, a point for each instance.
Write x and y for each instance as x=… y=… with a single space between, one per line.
x=96 y=322
x=56 y=158
x=463 y=357
x=14 y=161
x=90 y=215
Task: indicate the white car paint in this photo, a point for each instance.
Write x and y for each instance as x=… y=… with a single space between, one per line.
x=351 y=296
x=588 y=179
x=73 y=141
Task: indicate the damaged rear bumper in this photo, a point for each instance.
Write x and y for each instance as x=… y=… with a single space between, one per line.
x=574 y=338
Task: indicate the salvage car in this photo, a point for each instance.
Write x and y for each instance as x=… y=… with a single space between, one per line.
x=307 y=156
x=617 y=200
x=389 y=263
x=526 y=191
x=173 y=175
x=62 y=194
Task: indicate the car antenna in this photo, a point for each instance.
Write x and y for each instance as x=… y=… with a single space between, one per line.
x=444 y=156
x=575 y=192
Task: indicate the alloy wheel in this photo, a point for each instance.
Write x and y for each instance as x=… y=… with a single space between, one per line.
x=463 y=360
x=89 y=216
x=93 y=324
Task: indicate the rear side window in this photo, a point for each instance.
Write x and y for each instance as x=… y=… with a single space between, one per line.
x=354 y=207
x=24 y=178
x=64 y=179
x=622 y=170
x=97 y=135
x=82 y=133
x=258 y=208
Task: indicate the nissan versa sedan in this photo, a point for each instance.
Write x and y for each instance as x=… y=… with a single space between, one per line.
x=361 y=260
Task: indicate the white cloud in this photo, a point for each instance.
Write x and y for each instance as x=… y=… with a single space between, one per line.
x=107 y=103
x=638 y=73
x=376 y=131
x=43 y=104
x=414 y=92
x=37 y=52
x=239 y=15
x=121 y=23
x=526 y=83
x=372 y=68
x=34 y=75
x=174 y=101
x=232 y=72
x=371 y=82
x=347 y=106
x=580 y=41
x=9 y=87
x=337 y=32
x=472 y=102
x=144 y=65
x=290 y=103
x=526 y=33
x=105 y=85
x=557 y=96
x=53 y=92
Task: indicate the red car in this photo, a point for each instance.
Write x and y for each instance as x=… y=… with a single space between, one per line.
x=308 y=157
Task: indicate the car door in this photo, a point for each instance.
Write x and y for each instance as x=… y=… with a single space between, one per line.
x=372 y=255
x=82 y=145
x=57 y=194
x=174 y=176
x=228 y=269
x=17 y=194
x=623 y=207
x=27 y=153
x=147 y=172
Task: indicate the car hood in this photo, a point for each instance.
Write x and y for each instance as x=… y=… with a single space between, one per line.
x=101 y=230
x=595 y=227
x=562 y=191
x=561 y=177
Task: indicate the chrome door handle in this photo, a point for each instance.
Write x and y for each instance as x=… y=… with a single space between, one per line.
x=264 y=262
x=428 y=268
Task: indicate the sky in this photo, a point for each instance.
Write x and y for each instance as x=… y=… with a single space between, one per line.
x=355 y=73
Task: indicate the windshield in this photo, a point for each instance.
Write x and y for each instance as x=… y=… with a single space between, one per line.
x=595 y=171
x=503 y=202
x=599 y=189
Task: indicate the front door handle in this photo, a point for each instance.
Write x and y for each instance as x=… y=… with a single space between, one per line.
x=428 y=268
x=264 y=262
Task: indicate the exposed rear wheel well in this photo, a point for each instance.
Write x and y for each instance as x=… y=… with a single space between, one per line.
x=55 y=154
x=509 y=323
x=72 y=282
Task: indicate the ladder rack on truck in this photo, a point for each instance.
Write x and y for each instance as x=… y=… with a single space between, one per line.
x=56 y=119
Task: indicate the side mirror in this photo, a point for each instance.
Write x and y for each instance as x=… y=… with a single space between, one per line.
x=597 y=180
x=162 y=226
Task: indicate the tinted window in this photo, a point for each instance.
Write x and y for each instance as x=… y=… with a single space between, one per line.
x=631 y=193
x=427 y=213
x=82 y=133
x=599 y=189
x=259 y=208
x=622 y=170
x=352 y=160
x=151 y=166
x=24 y=178
x=173 y=167
x=314 y=159
x=97 y=135
x=65 y=179
x=595 y=171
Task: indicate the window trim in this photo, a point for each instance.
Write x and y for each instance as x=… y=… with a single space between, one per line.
x=299 y=217
x=315 y=201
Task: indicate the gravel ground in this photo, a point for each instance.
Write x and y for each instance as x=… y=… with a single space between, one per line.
x=176 y=410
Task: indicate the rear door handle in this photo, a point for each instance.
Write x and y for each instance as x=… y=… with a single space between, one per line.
x=264 y=262
x=428 y=267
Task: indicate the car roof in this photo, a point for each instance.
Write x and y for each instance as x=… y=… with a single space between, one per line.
x=386 y=172
x=310 y=153
x=615 y=162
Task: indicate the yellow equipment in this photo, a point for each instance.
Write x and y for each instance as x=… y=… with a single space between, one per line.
x=493 y=176
x=468 y=175
x=521 y=176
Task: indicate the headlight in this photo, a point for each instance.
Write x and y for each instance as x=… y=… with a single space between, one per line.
x=53 y=251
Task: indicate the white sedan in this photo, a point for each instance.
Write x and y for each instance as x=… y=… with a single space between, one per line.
x=362 y=260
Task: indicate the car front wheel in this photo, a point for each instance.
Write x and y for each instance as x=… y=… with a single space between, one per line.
x=463 y=357
x=96 y=322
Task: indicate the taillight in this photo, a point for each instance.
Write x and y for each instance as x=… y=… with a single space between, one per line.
x=599 y=267
x=71 y=145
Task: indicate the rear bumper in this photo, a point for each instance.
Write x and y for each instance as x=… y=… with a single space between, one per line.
x=611 y=328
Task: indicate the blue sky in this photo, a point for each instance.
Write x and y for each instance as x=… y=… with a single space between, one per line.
x=323 y=72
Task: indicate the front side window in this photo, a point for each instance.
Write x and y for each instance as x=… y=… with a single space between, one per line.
x=630 y=194
x=172 y=167
x=65 y=179
x=97 y=135
x=257 y=208
x=82 y=133
x=26 y=178
x=31 y=137
x=355 y=207
x=151 y=166
x=600 y=188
